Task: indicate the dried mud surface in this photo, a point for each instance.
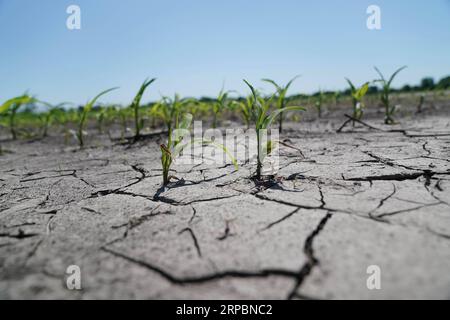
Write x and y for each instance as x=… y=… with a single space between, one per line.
x=359 y=198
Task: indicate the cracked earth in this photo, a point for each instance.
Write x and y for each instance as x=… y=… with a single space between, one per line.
x=377 y=195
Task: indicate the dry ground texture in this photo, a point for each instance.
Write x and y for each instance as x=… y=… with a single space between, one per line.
x=367 y=196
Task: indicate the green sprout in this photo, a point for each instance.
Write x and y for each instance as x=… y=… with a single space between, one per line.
x=386 y=89
x=169 y=109
x=219 y=105
x=123 y=113
x=48 y=117
x=281 y=97
x=336 y=97
x=135 y=105
x=357 y=96
x=318 y=103
x=263 y=121
x=245 y=107
x=100 y=117
x=86 y=109
x=12 y=106
x=173 y=147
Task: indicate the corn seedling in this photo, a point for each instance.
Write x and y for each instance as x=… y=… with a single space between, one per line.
x=13 y=103
x=219 y=105
x=318 y=103
x=47 y=117
x=357 y=97
x=336 y=97
x=12 y=106
x=263 y=121
x=135 y=105
x=175 y=145
x=245 y=107
x=385 y=92
x=123 y=122
x=281 y=97
x=169 y=109
x=86 y=109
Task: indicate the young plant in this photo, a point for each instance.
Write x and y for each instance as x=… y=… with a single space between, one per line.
x=357 y=97
x=385 y=92
x=263 y=121
x=219 y=105
x=123 y=113
x=135 y=105
x=281 y=97
x=86 y=109
x=169 y=109
x=48 y=116
x=100 y=118
x=245 y=106
x=173 y=147
x=318 y=103
x=12 y=106
x=176 y=144
x=336 y=97
x=12 y=103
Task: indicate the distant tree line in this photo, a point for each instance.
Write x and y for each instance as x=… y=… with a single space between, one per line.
x=426 y=84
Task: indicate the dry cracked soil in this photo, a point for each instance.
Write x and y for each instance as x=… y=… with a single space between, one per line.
x=366 y=196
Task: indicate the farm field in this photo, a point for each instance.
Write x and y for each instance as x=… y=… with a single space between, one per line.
x=224 y=159
x=343 y=199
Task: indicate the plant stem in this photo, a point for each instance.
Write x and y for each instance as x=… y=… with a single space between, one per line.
x=258 y=163
x=136 y=122
x=12 y=124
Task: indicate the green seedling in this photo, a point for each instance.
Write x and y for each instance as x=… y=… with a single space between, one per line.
x=48 y=117
x=336 y=97
x=123 y=113
x=245 y=107
x=100 y=118
x=84 y=113
x=110 y=114
x=357 y=99
x=385 y=92
x=169 y=110
x=318 y=103
x=175 y=145
x=11 y=107
x=263 y=121
x=13 y=104
x=219 y=105
x=281 y=97
x=135 y=105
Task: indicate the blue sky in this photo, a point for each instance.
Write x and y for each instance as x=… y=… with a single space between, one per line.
x=194 y=46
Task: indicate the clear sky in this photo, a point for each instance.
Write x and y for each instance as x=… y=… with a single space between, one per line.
x=194 y=46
